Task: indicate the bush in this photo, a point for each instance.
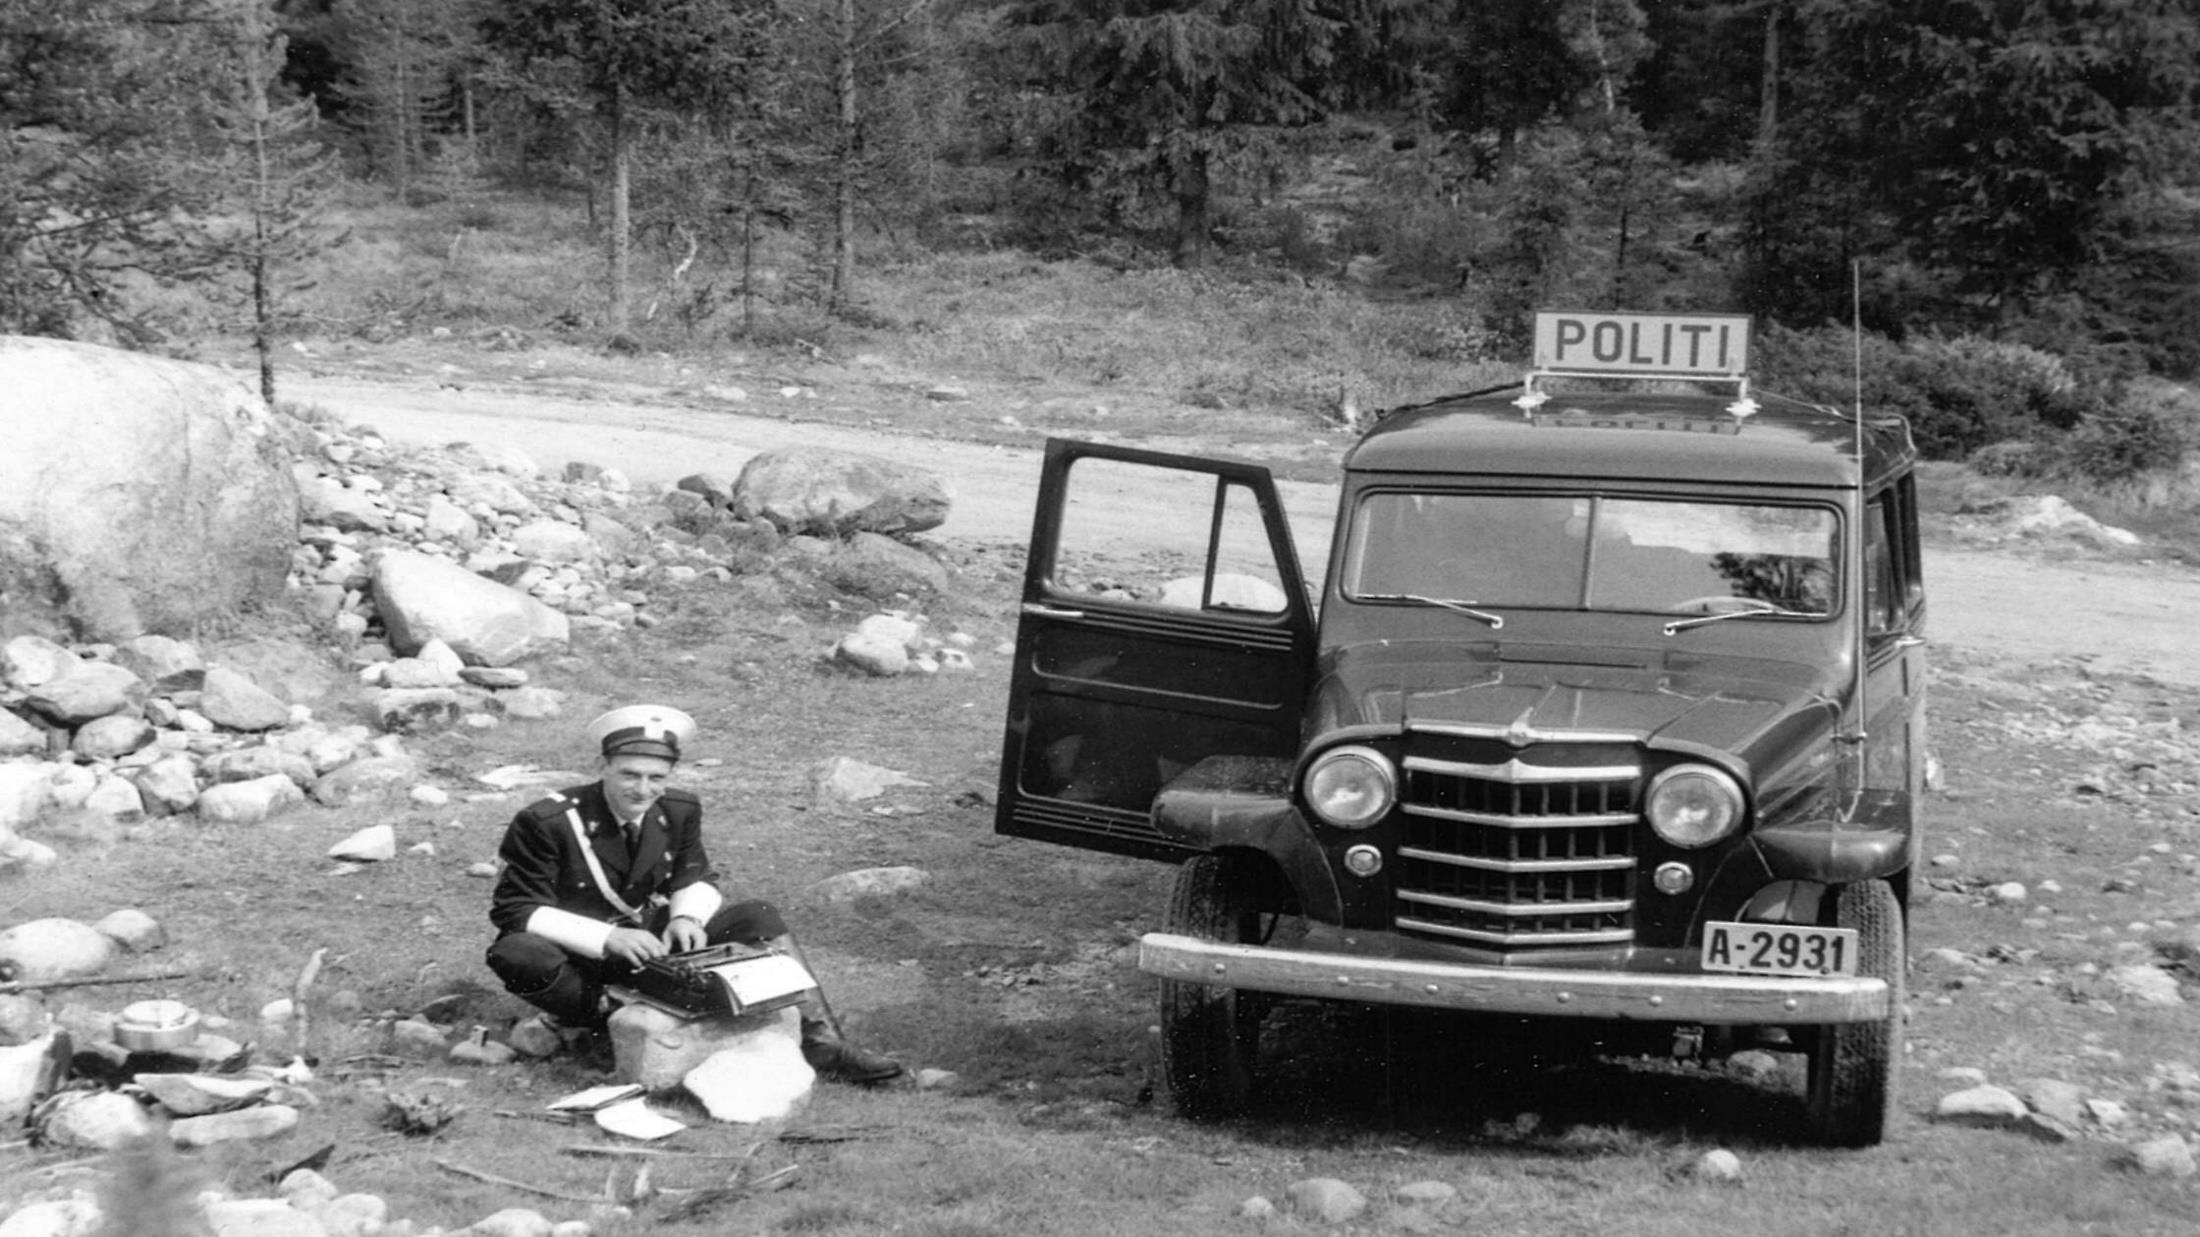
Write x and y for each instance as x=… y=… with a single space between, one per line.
x=2143 y=428
x=1960 y=394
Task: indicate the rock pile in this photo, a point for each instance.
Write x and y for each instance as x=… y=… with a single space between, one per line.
x=442 y=569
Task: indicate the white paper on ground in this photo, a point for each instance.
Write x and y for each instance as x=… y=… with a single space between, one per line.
x=635 y=1119
x=594 y=1098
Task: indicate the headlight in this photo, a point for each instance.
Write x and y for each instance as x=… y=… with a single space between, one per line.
x=1694 y=805
x=1351 y=787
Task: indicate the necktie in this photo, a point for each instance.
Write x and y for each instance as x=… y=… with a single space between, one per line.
x=633 y=831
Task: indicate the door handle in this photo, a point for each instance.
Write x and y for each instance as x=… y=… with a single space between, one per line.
x=1037 y=610
x=1909 y=642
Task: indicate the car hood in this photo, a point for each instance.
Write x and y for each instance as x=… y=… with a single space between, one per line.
x=1748 y=712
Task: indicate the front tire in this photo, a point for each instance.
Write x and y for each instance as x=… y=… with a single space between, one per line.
x=1210 y=1036
x=1850 y=1092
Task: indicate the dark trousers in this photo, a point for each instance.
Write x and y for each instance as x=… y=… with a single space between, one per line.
x=569 y=987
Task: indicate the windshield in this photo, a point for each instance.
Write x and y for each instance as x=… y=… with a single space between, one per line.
x=1569 y=552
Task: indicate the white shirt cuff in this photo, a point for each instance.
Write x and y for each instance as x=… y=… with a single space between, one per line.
x=698 y=901
x=577 y=933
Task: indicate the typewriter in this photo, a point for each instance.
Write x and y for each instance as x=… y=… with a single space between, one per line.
x=720 y=980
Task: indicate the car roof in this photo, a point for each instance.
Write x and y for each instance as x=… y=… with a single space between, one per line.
x=1623 y=435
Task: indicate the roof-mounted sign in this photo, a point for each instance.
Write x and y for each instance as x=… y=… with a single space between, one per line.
x=1643 y=345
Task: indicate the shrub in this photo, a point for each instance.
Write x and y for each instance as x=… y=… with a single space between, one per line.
x=2143 y=427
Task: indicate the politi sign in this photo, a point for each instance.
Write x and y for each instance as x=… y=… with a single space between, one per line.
x=1644 y=344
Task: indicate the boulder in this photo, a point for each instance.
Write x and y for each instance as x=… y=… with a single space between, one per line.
x=655 y=1049
x=19 y=737
x=87 y=690
x=244 y=764
x=248 y=803
x=373 y=844
x=327 y=500
x=116 y=798
x=242 y=1125
x=844 y=779
x=167 y=665
x=137 y=494
x=133 y=929
x=111 y=737
x=554 y=541
x=234 y=702
x=27 y=1072
x=511 y=1222
x=28 y=661
x=759 y=1078
x=261 y=1217
x=449 y=523
x=418 y=710
x=835 y=493
x=876 y=566
x=1325 y=1200
x=77 y=1216
x=422 y=598
x=48 y=949
x=95 y=1120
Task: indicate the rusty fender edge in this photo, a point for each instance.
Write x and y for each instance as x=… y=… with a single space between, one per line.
x=1755 y=1000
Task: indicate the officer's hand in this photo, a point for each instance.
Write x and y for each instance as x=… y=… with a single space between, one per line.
x=684 y=934
x=632 y=946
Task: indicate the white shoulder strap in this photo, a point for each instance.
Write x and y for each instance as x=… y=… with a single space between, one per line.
x=595 y=868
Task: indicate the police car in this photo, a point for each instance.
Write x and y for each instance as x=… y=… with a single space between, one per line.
x=1608 y=709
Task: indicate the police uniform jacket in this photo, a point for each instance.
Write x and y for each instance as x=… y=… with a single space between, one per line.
x=549 y=887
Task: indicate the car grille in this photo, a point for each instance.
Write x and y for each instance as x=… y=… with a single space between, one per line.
x=1518 y=855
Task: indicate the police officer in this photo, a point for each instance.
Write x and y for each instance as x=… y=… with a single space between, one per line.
x=601 y=878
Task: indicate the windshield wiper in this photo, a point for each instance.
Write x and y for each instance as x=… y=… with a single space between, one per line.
x=1767 y=611
x=1495 y=621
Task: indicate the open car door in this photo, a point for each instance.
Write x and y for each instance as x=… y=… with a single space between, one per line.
x=1165 y=620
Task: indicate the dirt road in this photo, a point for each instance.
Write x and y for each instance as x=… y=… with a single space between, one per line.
x=2121 y=618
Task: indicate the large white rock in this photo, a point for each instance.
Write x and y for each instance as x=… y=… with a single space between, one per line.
x=373 y=844
x=234 y=702
x=23 y=791
x=26 y=1070
x=510 y=1222
x=422 y=598
x=29 y=661
x=248 y=803
x=836 y=493
x=133 y=929
x=111 y=737
x=657 y=1050
x=46 y=949
x=761 y=1078
x=1232 y=591
x=261 y=1217
x=77 y=1216
x=96 y=1120
x=168 y=665
x=554 y=541
x=168 y=785
x=19 y=737
x=241 y=1125
x=137 y=494
x=869 y=883
x=90 y=689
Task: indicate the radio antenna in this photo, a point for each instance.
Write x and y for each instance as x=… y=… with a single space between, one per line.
x=1860 y=589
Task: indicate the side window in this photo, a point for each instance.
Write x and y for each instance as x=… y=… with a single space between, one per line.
x=1167 y=537
x=1881 y=593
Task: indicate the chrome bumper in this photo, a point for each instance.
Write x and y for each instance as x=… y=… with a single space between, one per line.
x=1754 y=1000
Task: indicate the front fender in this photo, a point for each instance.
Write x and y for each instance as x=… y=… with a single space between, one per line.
x=1244 y=803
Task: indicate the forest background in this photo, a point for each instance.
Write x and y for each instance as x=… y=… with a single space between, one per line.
x=2005 y=194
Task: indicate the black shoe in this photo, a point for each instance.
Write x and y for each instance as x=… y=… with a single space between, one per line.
x=838 y=1059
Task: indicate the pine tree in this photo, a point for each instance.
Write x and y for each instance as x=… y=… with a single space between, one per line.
x=276 y=172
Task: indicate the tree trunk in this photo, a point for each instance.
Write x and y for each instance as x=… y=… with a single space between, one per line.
x=842 y=291
x=1768 y=90
x=1193 y=211
x=621 y=243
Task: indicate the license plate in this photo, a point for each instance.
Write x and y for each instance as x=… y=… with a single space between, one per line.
x=1778 y=949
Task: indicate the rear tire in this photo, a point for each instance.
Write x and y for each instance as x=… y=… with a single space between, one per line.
x=1851 y=1088
x=1210 y=1036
